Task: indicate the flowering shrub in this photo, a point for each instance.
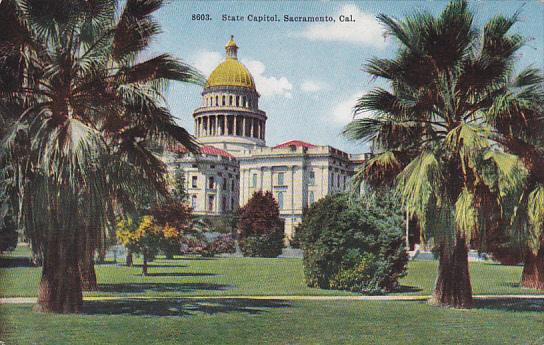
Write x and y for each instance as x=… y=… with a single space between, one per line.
x=145 y=237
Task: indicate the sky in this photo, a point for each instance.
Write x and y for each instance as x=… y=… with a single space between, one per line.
x=308 y=74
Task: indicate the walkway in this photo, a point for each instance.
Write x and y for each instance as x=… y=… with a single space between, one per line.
x=30 y=300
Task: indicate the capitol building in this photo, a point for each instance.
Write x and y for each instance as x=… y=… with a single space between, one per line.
x=235 y=161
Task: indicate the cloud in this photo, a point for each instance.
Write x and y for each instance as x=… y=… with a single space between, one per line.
x=268 y=86
x=365 y=30
x=205 y=61
x=342 y=112
x=311 y=86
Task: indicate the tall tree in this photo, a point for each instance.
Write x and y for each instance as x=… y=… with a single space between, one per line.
x=518 y=118
x=431 y=129
x=85 y=110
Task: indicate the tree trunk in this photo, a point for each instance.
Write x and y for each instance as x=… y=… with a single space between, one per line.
x=129 y=258
x=533 y=270
x=86 y=264
x=144 y=266
x=60 y=285
x=453 y=287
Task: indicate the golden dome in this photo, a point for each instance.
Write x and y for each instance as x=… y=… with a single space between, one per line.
x=231 y=72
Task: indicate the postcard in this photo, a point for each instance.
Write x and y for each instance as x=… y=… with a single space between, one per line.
x=258 y=172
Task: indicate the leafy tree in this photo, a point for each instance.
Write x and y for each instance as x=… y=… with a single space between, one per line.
x=177 y=215
x=179 y=193
x=352 y=245
x=260 y=227
x=432 y=130
x=84 y=111
x=8 y=233
x=145 y=237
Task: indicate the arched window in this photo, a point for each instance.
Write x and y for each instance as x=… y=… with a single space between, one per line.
x=237 y=101
x=231 y=101
x=244 y=102
x=223 y=100
x=216 y=101
x=280 y=200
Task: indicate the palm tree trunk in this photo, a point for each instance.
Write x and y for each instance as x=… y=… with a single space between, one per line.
x=453 y=287
x=86 y=264
x=60 y=285
x=533 y=270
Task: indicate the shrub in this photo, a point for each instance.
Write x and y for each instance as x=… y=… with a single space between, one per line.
x=354 y=247
x=260 y=226
x=222 y=244
x=266 y=246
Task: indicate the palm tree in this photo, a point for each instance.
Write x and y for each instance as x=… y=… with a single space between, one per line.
x=433 y=134
x=85 y=114
x=518 y=119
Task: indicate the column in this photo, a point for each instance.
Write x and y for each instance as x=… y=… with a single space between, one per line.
x=216 y=125
x=234 y=125
x=244 y=134
x=251 y=127
x=259 y=129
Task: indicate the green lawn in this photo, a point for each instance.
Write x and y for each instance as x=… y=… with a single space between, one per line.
x=277 y=322
x=179 y=320
x=187 y=276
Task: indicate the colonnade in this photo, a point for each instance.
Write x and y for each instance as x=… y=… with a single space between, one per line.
x=236 y=125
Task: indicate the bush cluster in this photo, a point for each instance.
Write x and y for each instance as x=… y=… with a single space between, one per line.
x=260 y=227
x=351 y=246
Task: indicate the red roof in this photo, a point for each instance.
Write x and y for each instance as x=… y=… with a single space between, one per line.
x=296 y=143
x=206 y=150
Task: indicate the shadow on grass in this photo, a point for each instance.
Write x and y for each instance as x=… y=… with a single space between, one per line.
x=150 y=265
x=161 y=287
x=179 y=307
x=407 y=289
x=198 y=258
x=510 y=304
x=16 y=261
x=179 y=274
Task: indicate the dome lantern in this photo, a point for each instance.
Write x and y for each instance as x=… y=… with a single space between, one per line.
x=231 y=49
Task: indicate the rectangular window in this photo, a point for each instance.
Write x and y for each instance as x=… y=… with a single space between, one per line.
x=311 y=178
x=280 y=200
x=311 y=197
x=281 y=179
x=194 y=182
x=224 y=184
x=193 y=201
x=211 y=202
x=211 y=183
x=232 y=185
x=254 y=181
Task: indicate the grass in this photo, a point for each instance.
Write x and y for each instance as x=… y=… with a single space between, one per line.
x=174 y=318
x=277 y=322
x=195 y=276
